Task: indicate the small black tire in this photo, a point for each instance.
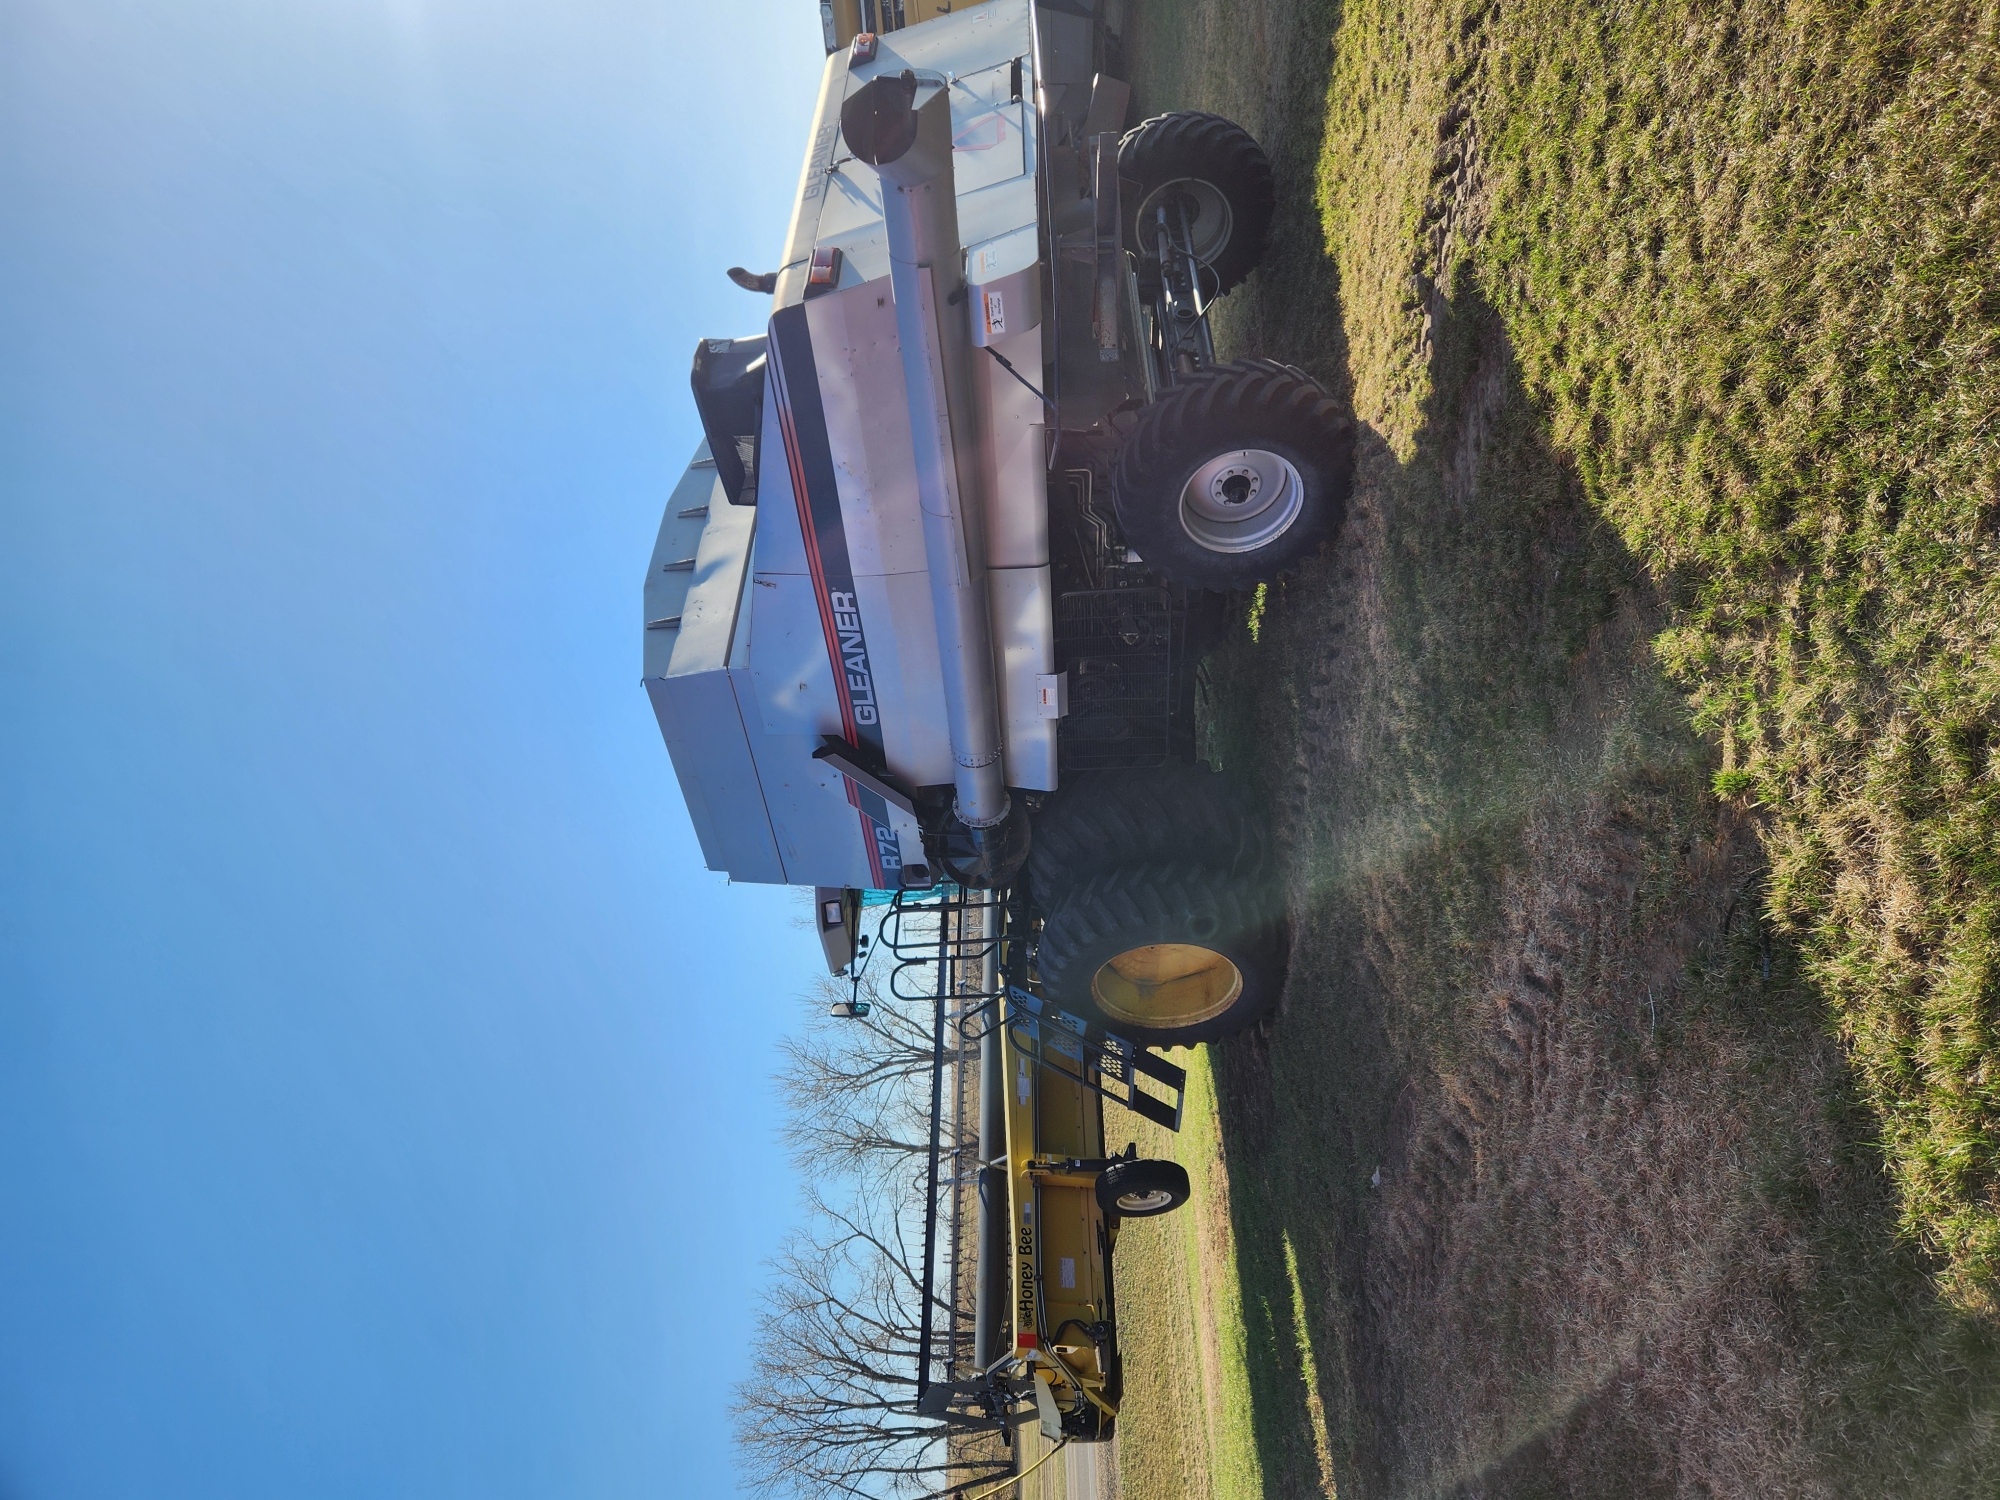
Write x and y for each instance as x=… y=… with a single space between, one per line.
x=1185 y=814
x=1225 y=173
x=1168 y=955
x=1142 y=1188
x=1235 y=476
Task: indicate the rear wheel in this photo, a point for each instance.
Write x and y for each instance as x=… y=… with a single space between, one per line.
x=1234 y=476
x=1142 y=1189
x=1210 y=170
x=1164 y=954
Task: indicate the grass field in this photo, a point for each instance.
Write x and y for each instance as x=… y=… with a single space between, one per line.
x=1633 y=752
x=1189 y=1431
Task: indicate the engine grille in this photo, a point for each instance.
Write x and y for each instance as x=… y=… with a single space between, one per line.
x=1118 y=647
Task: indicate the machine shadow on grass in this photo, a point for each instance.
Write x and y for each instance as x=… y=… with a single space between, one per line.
x=1545 y=1178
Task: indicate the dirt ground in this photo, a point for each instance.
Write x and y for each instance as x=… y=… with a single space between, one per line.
x=1547 y=1177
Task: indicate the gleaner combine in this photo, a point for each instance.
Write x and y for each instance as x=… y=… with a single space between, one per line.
x=924 y=609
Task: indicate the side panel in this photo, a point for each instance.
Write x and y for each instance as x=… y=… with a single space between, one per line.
x=711 y=596
x=822 y=522
x=1006 y=284
x=693 y=595
x=789 y=669
x=860 y=369
x=1021 y=1086
x=1060 y=1282
x=860 y=364
x=824 y=833
x=710 y=746
x=670 y=576
x=856 y=542
x=854 y=442
x=1014 y=454
x=908 y=681
x=1073 y=1260
x=987 y=128
x=1024 y=627
x=974 y=37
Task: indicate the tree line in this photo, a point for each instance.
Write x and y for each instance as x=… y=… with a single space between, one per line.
x=830 y=1406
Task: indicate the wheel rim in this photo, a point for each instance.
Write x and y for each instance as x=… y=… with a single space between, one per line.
x=1242 y=500
x=1166 y=985
x=1150 y=1201
x=1210 y=221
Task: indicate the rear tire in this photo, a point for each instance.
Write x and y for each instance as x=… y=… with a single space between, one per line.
x=1101 y=820
x=1218 y=168
x=1234 y=476
x=1167 y=955
x=1142 y=1189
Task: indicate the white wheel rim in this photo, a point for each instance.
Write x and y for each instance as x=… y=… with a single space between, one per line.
x=1241 y=500
x=1144 y=1203
x=1212 y=224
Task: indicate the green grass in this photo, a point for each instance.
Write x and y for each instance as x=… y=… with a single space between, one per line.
x=1185 y=1427
x=1715 y=292
x=1750 y=262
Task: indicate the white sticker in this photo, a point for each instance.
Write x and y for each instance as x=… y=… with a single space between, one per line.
x=996 y=314
x=1068 y=1274
x=1022 y=1083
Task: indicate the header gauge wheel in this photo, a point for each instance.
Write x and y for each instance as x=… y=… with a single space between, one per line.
x=1142 y=1189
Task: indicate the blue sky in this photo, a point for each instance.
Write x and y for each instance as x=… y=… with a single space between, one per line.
x=383 y=1083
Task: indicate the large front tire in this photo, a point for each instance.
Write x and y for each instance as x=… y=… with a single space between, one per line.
x=1167 y=955
x=1178 y=814
x=1235 y=476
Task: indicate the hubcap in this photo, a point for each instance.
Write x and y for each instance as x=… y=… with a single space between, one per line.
x=1242 y=500
x=1166 y=985
x=1210 y=222
x=1144 y=1203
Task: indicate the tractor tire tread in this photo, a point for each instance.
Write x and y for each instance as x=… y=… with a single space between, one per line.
x=1101 y=820
x=1195 y=143
x=1237 y=404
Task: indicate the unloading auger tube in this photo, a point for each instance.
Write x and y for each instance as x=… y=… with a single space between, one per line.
x=910 y=147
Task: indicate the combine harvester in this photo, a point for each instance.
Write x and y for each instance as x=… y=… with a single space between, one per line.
x=922 y=617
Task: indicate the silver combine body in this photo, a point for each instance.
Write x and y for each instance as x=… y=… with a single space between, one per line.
x=879 y=586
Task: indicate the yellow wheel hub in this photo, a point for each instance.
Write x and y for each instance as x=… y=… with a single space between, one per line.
x=1166 y=985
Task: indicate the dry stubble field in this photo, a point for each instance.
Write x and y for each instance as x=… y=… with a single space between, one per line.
x=1626 y=1125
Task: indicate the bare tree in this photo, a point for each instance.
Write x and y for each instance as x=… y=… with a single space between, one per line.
x=831 y=1407
x=858 y=1091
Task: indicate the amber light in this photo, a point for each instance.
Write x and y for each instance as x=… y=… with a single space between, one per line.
x=825 y=268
